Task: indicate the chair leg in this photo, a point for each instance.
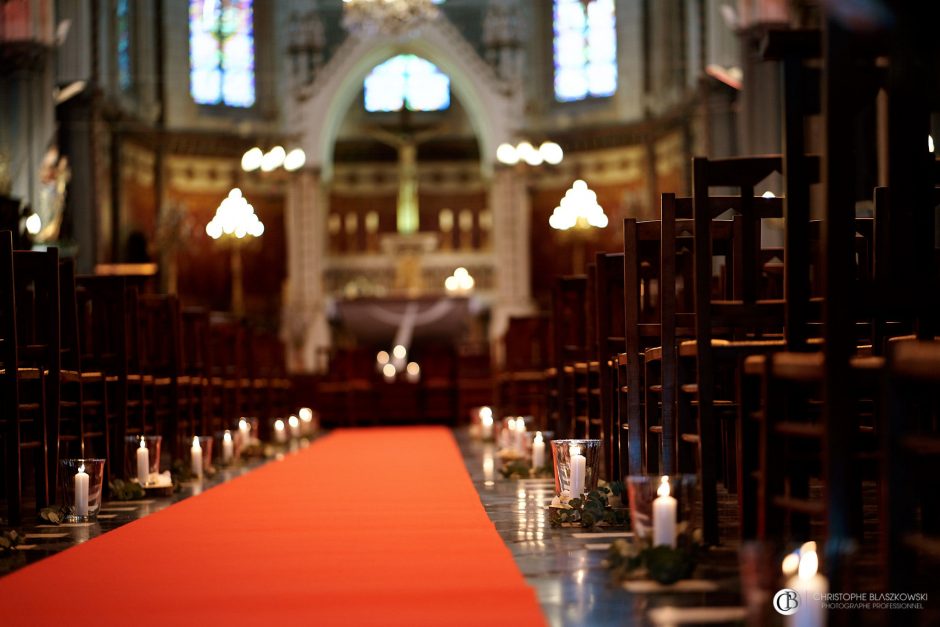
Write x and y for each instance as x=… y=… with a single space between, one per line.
x=42 y=463
x=14 y=479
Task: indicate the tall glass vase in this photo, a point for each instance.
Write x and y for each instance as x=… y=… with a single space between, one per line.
x=562 y=451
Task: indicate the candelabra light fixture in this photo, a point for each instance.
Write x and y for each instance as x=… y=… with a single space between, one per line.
x=234 y=224
x=388 y=17
x=459 y=283
x=548 y=152
x=277 y=157
x=578 y=214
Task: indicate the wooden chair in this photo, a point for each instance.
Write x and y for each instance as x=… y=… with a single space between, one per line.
x=910 y=428
x=744 y=315
x=228 y=374
x=34 y=357
x=610 y=343
x=570 y=345
x=658 y=282
x=195 y=368
x=522 y=386
x=438 y=385
x=586 y=386
x=475 y=381
x=108 y=324
x=84 y=425
x=9 y=386
x=161 y=341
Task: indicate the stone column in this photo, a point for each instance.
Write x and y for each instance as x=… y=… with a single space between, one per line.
x=510 y=206
x=304 y=325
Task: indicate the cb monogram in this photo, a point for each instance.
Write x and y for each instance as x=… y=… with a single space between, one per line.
x=787 y=601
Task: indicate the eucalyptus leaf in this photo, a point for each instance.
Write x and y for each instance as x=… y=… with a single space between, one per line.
x=53 y=515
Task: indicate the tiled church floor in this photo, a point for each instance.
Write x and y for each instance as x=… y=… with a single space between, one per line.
x=565 y=566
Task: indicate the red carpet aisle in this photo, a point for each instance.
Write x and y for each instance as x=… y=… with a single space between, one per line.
x=365 y=527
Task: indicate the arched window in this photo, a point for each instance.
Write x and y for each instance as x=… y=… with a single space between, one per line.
x=124 y=33
x=222 y=52
x=407 y=80
x=585 y=49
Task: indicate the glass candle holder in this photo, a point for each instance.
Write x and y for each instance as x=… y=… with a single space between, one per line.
x=643 y=492
x=133 y=459
x=224 y=445
x=80 y=484
x=584 y=471
x=204 y=464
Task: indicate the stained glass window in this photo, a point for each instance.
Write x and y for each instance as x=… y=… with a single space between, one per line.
x=222 y=52
x=407 y=80
x=585 y=49
x=124 y=61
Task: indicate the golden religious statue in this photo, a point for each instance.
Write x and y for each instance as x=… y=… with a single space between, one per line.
x=406 y=143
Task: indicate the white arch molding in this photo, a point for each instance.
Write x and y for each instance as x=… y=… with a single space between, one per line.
x=493 y=107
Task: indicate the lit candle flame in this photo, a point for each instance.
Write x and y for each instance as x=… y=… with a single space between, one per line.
x=293 y=422
x=243 y=425
x=486 y=412
x=809 y=564
x=81 y=468
x=791 y=563
x=143 y=444
x=227 y=436
x=574 y=449
x=279 y=424
x=306 y=414
x=196 y=443
x=538 y=436
x=663 y=489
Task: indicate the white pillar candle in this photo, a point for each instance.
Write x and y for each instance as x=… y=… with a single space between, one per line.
x=538 y=451
x=143 y=462
x=486 y=424
x=280 y=436
x=294 y=423
x=228 y=448
x=810 y=585
x=664 y=516
x=521 y=435
x=306 y=420
x=244 y=431
x=507 y=433
x=195 y=454
x=578 y=465
x=81 y=491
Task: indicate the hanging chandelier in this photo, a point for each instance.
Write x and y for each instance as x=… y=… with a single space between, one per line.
x=387 y=17
x=578 y=210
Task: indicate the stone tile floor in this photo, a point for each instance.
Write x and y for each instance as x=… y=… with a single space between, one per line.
x=569 y=577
